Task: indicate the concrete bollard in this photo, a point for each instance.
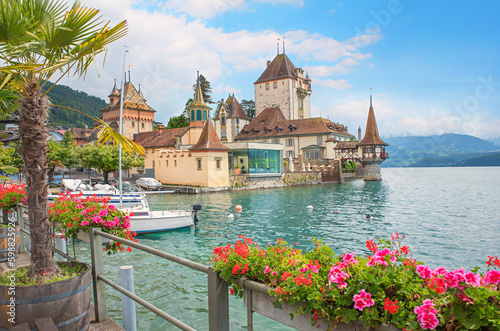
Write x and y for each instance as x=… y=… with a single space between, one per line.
x=128 y=305
x=61 y=245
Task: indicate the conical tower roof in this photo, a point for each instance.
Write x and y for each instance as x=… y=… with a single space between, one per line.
x=115 y=91
x=280 y=68
x=208 y=140
x=198 y=101
x=235 y=109
x=371 y=133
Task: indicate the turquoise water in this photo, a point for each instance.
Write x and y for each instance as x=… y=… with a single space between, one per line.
x=449 y=215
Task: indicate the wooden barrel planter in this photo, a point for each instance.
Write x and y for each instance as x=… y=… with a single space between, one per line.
x=67 y=302
x=262 y=303
x=9 y=241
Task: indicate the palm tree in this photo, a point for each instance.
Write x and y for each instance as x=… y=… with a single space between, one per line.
x=42 y=40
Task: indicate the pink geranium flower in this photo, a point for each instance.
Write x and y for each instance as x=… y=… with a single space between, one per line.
x=363 y=300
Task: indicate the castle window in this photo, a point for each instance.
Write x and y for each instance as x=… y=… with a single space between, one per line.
x=198 y=115
x=167 y=163
x=293 y=84
x=282 y=82
x=301 y=103
x=290 y=142
x=275 y=85
x=267 y=86
x=222 y=121
x=192 y=115
x=143 y=125
x=198 y=164
x=133 y=124
x=204 y=115
x=276 y=141
x=223 y=133
x=237 y=121
x=175 y=163
x=153 y=163
x=320 y=140
x=218 y=163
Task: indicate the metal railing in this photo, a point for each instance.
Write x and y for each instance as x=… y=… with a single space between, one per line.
x=218 y=300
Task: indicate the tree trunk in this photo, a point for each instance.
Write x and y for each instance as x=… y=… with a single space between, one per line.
x=33 y=110
x=51 y=175
x=105 y=175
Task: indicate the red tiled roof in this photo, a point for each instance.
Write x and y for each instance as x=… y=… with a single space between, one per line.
x=81 y=133
x=132 y=99
x=280 y=68
x=346 y=145
x=234 y=109
x=165 y=138
x=208 y=139
x=273 y=118
x=371 y=134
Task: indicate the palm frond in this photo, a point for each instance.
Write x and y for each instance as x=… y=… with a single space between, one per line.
x=108 y=134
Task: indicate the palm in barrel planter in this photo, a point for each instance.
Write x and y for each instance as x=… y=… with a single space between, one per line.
x=42 y=40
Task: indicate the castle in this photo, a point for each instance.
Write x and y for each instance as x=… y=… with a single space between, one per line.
x=206 y=154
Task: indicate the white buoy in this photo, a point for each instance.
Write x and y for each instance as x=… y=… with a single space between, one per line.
x=310 y=207
x=230 y=216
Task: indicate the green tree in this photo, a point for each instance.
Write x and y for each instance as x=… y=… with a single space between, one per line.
x=248 y=107
x=67 y=139
x=54 y=157
x=180 y=121
x=206 y=90
x=43 y=40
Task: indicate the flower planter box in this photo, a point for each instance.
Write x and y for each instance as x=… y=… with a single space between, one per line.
x=262 y=303
x=85 y=236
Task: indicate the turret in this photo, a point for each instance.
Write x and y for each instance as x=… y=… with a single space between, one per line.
x=198 y=109
x=372 y=149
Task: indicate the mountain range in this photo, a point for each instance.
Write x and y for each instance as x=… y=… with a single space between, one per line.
x=441 y=151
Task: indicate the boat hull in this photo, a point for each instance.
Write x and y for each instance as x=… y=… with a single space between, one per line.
x=161 y=221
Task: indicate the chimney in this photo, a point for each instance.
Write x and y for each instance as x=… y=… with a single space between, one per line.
x=359 y=133
x=268 y=63
x=160 y=127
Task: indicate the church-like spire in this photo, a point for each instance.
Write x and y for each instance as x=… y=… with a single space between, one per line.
x=198 y=94
x=371 y=133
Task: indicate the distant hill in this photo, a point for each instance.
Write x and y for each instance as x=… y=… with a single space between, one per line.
x=65 y=96
x=488 y=160
x=435 y=151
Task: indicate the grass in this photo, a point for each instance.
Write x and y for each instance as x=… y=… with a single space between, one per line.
x=68 y=270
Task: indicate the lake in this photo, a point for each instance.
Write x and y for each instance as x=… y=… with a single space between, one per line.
x=449 y=216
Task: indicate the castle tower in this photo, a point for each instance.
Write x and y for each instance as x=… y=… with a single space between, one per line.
x=372 y=149
x=198 y=109
x=230 y=119
x=283 y=85
x=137 y=115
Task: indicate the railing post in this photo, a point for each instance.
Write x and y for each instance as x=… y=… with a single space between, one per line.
x=62 y=246
x=97 y=259
x=20 y=221
x=218 y=302
x=128 y=305
x=248 y=293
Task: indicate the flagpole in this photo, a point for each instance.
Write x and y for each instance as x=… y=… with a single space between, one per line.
x=121 y=128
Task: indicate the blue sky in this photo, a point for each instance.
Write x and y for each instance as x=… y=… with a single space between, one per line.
x=433 y=66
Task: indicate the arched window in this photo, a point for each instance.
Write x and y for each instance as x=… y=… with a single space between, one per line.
x=198 y=115
x=204 y=115
x=192 y=115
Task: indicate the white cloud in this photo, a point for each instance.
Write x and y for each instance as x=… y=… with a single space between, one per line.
x=166 y=49
x=339 y=84
x=205 y=8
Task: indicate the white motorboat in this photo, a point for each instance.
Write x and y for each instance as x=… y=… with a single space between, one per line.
x=175 y=216
x=149 y=184
x=78 y=186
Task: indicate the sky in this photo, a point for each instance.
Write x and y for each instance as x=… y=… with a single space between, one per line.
x=432 y=66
